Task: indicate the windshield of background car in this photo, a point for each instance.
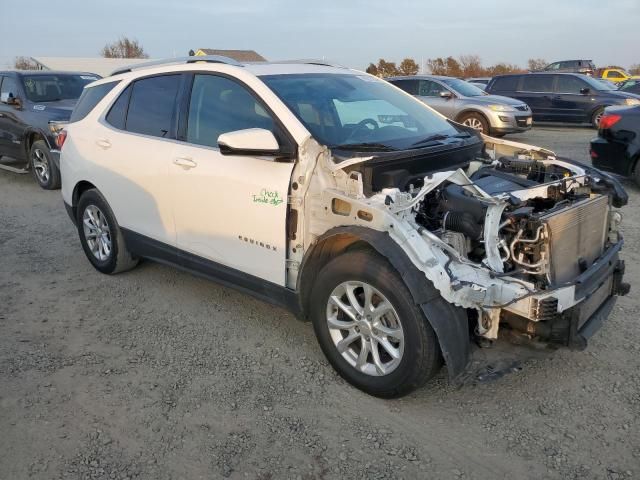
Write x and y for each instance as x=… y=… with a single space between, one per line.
x=52 y=88
x=464 y=88
x=342 y=110
x=596 y=84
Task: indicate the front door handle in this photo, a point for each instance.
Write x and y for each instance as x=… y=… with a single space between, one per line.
x=103 y=143
x=184 y=162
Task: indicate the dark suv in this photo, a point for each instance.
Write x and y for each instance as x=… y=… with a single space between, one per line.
x=561 y=97
x=30 y=101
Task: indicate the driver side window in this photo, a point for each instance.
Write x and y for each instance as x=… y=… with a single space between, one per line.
x=9 y=86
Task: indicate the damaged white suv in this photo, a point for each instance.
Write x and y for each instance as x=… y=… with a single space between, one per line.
x=404 y=237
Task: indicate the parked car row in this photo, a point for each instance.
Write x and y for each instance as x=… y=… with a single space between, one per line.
x=463 y=102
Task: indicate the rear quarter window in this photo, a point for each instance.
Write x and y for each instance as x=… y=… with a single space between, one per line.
x=89 y=98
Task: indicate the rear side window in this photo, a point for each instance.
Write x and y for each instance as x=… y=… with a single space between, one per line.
x=152 y=108
x=89 y=98
x=409 y=86
x=537 y=83
x=508 y=84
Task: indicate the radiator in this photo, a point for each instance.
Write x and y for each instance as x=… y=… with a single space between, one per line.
x=577 y=234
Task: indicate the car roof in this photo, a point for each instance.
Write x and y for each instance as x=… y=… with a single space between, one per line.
x=572 y=74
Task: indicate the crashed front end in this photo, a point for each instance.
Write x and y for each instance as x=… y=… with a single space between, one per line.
x=526 y=242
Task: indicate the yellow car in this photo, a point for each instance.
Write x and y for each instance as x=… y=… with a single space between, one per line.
x=615 y=74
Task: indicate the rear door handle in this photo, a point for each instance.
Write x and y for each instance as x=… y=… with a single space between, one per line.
x=185 y=162
x=103 y=143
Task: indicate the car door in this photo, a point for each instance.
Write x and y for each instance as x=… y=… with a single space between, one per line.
x=11 y=124
x=230 y=210
x=429 y=92
x=536 y=91
x=132 y=150
x=569 y=103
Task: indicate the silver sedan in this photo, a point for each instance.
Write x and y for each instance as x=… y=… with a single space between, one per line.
x=467 y=104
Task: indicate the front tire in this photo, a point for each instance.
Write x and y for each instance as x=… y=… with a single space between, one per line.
x=43 y=167
x=369 y=327
x=476 y=121
x=100 y=235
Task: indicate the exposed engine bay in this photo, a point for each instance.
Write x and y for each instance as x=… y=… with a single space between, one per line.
x=511 y=232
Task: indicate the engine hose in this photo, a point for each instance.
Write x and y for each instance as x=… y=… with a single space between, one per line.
x=462 y=222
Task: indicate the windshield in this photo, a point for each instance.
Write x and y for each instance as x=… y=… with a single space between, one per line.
x=463 y=88
x=341 y=110
x=51 y=88
x=596 y=84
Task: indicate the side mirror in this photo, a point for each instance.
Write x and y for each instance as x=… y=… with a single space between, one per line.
x=9 y=99
x=585 y=90
x=446 y=94
x=252 y=141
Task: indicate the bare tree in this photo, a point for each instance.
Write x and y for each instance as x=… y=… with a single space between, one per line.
x=372 y=69
x=387 y=69
x=24 y=63
x=634 y=69
x=408 y=66
x=471 y=66
x=536 y=64
x=124 y=47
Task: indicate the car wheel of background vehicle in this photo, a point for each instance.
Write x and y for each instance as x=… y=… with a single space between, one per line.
x=43 y=167
x=475 y=120
x=369 y=327
x=101 y=236
x=595 y=119
x=636 y=172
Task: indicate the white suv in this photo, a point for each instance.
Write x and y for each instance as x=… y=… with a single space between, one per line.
x=402 y=235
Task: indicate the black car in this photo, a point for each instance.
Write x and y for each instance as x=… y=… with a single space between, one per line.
x=617 y=146
x=562 y=97
x=30 y=101
x=630 y=86
x=585 y=67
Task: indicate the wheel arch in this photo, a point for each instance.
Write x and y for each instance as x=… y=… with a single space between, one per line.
x=31 y=136
x=449 y=322
x=79 y=188
x=472 y=110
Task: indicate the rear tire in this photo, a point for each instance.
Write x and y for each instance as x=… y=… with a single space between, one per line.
x=43 y=168
x=636 y=173
x=100 y=235
x=475 y=120
x=595 y=118
x=407 y=353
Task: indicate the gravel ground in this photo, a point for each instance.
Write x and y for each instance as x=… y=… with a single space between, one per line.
x=157 y=374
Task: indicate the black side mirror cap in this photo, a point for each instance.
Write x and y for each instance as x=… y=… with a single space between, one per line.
x=585 y=90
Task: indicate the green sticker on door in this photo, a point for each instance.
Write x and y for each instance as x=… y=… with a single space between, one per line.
x=268 y=197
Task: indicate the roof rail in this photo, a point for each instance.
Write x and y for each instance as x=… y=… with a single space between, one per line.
x=178 y=61
x=312 y=61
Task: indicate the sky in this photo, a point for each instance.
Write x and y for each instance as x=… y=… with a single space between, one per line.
x=350 y=32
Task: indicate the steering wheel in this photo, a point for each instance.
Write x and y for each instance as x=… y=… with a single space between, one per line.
x=362 y=125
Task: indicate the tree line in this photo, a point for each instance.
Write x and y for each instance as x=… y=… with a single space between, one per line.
x=465 y=66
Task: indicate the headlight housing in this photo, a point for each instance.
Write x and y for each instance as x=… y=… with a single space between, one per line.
x=501 y=108
x=632 y=101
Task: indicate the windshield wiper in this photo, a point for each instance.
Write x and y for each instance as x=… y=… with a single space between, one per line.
x=372 y=146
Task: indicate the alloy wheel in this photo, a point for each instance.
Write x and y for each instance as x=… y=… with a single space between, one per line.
x=473 y=123
x=97 y=232
x=40 y=165
x=365 y=328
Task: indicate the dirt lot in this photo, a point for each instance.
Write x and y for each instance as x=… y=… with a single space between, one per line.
x=157 y=374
